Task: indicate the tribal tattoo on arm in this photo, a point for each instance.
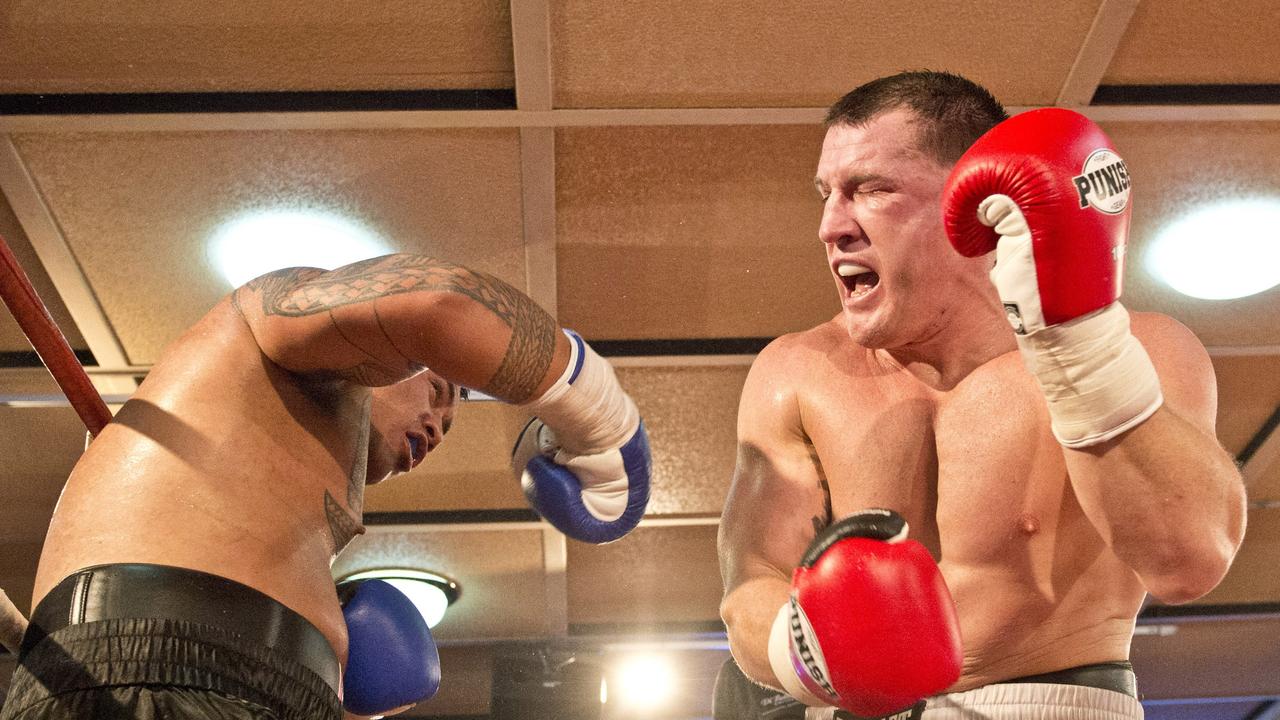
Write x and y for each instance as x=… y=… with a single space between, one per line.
x=300 y=292
x=821 y=522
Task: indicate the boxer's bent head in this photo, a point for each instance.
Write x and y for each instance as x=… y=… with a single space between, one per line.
x=952 y=112
x=407 y=420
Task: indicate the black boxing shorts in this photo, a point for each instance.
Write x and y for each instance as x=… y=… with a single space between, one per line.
x=149 y=641
x=738 y=698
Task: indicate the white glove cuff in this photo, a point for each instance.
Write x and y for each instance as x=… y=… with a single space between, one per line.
x=589 y=413
x=1096 y=376
x=780 y=659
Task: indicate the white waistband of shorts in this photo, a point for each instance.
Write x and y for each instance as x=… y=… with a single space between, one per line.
x=1034 y=701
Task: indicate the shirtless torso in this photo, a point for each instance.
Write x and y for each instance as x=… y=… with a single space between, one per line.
x=225 y=463
x=982 y=482
x=246 y=451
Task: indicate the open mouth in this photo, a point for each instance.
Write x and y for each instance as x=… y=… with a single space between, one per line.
x=417 y=449
x=858 y=280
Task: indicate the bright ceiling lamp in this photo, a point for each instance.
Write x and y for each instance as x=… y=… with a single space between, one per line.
x=261 y=241
x=1226 y=250
x=432 y=594
x=640 y=684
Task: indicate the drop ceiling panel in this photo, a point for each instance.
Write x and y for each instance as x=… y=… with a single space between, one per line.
x=471 y=471
x=654 y=576
x=769 y=54
x=691 y=415
x=79 y=46
x=137 y=209
x=1254 y=576
x=1188 y=42
x=682 y=232
x=1176 y=168
x=500 y=572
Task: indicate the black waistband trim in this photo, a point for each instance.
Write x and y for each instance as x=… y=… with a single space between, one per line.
x=143 y=591
x=1116 y=676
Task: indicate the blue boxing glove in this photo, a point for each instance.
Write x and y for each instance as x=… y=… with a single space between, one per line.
x=392 y=659
x=584 y=460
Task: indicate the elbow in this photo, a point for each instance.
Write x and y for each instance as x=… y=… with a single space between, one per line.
x=1189 y=576
x=748 y=655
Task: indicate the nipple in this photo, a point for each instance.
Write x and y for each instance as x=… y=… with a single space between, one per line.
x=1028 y=524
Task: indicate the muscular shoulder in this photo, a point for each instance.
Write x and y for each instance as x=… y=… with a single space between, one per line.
x=795 y=351
x=1164 y=337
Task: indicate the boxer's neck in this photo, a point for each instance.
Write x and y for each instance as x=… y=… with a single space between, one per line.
x=973 y=337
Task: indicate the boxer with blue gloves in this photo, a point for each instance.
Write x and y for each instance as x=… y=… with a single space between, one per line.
x=186 y=572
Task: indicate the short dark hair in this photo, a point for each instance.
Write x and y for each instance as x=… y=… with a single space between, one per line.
x=953 y=111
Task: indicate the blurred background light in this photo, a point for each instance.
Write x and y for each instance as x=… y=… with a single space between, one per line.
x=1226 y=250
x=432 y=594
x=264 y=240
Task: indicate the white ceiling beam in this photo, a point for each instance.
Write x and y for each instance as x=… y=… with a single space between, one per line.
x=531 y=45
x=50 y=245
x=1099 y=46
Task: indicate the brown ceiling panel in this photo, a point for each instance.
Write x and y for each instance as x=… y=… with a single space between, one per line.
x=1177 y=167
x=690 y=414
x=687 y=232
x=769 y=54
x=1188 y=42
x=655 y=575
x=1255 y=574
x=80 y=46
x=138 y=208
x=471 y=470
x=1248 y=392
x=500 y=572
x=11 y=336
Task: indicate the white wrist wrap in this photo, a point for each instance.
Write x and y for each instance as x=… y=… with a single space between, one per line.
x=589 y=413
x=780 y=659
x=1096 y=376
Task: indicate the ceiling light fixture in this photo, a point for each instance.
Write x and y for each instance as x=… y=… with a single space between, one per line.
x=264 y=240
x=1221 y=251
x=432 y=594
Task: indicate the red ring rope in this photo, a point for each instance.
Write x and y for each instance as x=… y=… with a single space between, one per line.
x=34 y=319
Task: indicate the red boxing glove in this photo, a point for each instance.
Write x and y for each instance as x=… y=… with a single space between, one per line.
x=1072 y=189
x=870 y=626
x=1047 y=191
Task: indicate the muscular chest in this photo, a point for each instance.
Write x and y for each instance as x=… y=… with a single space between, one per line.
x=980 y=450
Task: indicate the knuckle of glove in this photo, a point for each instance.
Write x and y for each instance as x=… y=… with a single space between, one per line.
x=594 y=498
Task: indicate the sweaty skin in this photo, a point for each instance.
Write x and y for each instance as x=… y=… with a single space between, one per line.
x=246 y=451
x=915 y=398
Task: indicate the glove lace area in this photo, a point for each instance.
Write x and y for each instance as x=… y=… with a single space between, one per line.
x=590 y=413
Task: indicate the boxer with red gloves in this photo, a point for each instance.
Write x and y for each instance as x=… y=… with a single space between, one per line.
x=186 y=572
x=1053 y=453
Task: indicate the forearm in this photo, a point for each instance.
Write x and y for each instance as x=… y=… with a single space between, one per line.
x=748 y=613
x=380 y=321
x=1168 y=500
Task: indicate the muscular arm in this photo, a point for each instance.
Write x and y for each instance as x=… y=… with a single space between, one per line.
x=776 y=503
x=379 y=321
x=1166 y=496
